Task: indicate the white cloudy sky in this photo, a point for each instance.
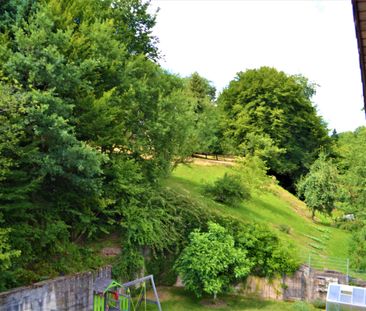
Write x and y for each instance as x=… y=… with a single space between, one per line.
x=218 y=38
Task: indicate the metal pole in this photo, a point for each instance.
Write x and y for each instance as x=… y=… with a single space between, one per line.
x=155 y=293
x=309 y=262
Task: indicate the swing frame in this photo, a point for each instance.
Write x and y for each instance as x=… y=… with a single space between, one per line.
x=103 y=291
x=142 y=298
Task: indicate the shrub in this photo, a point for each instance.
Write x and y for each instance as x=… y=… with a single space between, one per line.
x=284 y=228
x=265 y=250
x=319 y=304
x=228 y=190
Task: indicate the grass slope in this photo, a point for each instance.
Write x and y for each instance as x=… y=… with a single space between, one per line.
x=327 y=245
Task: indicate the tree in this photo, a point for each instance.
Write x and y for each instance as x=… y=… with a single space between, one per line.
x=13 y=12
x=208 y=132
x=351 y=160
x=210 y=262
x=252 y=172
x=261 y=146
x=202 y=90
x=272 y=105
x=320 y=186
x=89 y=126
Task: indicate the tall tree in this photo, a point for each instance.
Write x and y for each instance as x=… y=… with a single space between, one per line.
x=208 y=132
x=92 y=124
x=320 y=186
x=275 y=106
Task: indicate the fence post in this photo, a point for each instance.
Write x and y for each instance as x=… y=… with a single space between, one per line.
x=347 y=275
x=309 y=262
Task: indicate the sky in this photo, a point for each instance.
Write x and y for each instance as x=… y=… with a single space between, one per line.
x=315 y=38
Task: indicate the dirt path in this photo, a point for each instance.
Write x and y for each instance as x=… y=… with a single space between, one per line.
x=208 y=162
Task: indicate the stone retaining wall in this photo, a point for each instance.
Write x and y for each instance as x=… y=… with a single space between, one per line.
x=69 y=293
x=306 y=284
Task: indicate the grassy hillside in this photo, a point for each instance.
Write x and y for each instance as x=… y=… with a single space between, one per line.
x=278 y=209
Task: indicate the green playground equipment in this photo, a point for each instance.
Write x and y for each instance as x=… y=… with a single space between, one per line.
x=110 y=295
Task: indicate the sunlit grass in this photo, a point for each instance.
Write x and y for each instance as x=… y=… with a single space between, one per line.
x=274 y=208
x=178 y=299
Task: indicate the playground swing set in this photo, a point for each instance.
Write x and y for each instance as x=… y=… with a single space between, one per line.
x=110 y=295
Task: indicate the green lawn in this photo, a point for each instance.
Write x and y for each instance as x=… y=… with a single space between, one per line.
x=176 y=299
x=274 y=209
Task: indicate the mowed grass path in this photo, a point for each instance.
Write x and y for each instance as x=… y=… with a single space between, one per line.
x=176 y=299
x=276 y=208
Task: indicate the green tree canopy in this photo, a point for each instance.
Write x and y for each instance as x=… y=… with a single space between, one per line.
x=208 y=132
x=276 y=108
x=211 y=261
x=92 y=123
x=351 y=157
x=320 y=186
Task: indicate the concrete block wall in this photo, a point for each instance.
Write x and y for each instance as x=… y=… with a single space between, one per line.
x=69 y=293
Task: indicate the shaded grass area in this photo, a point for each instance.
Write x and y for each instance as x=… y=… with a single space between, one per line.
x=176 y=299
x=277 y=209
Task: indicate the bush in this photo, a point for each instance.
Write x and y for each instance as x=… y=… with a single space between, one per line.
x=319 y=304
x=284 y=228
x=265 y=250
x=228 y=190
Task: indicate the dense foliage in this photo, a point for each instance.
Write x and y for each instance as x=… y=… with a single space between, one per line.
x=89 y=123
x=267 y=254
x=214 y=260
x=320 y=186
x=208 y=138
x=210 y=261
x=351 y=160
x=267 y=109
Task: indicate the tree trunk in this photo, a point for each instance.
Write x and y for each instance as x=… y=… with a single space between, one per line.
x=215 y=297
x=312 y=214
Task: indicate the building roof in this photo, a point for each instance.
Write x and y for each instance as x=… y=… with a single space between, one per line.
x=359 y=15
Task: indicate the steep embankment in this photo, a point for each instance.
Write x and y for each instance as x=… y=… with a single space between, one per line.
x=288 y=216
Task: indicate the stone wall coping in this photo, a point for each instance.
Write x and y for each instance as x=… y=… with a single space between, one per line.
x=54 y=280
